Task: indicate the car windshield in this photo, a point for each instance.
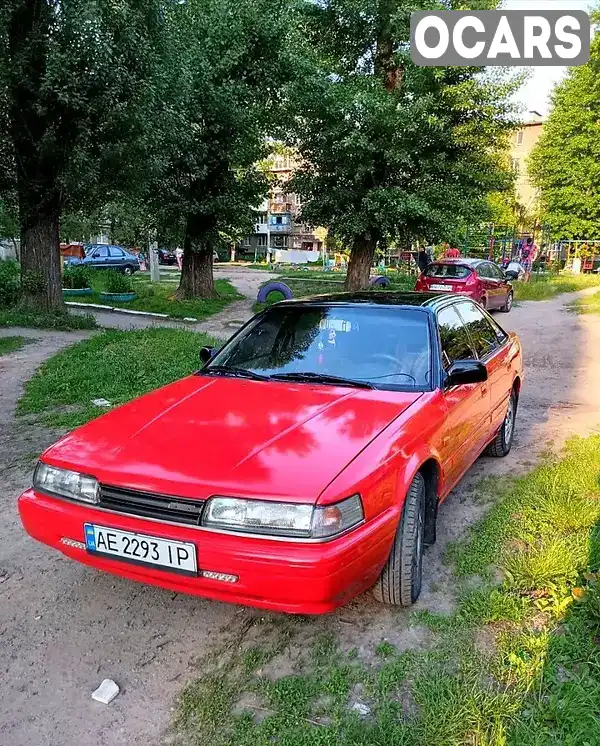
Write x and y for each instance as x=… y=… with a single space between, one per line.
x=383 y=347
x=455 y=271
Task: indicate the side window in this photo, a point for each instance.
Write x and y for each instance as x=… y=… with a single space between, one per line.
x=101 y=252
x=454 y=337
x=482 y=333
x=116 y=252
x=496 y=272
x=482 y=270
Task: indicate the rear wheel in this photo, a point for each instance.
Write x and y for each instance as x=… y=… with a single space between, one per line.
x=400 y=581
x=128 y=270
x=483 y=302
x=509 y=303
x=502 y=442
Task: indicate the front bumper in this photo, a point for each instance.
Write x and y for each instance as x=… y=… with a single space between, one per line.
x=294 y=577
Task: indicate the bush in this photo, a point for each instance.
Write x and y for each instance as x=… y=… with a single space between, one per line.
x=76 y=278
x=10 y=283
x=115 y=282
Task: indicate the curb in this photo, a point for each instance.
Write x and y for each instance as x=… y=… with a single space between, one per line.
x=130 y=312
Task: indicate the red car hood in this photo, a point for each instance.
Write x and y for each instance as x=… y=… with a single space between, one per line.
x=203 y=436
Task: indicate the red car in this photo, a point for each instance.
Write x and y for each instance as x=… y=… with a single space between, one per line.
x=481 y=280
x=302 y=465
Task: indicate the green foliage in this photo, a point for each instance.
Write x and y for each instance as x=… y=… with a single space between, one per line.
x=76 y=277
x=10 y=282
x=117 y=282
x=12 y=344
x=589 y=304
x=543 y=287
x=114 y=365
x=400 y=151
x=565 y=163
x=59 y=321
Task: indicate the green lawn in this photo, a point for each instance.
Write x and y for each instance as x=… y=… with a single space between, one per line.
x=517 y=663
x=306 y=284
x=159 y=298
x=114 y=365
x=590 y=304
x=58 y=321
x=12 y=344
x=543 y=287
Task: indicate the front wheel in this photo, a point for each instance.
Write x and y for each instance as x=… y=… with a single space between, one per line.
x=502 y=443
x=128 y=271
x=400 y=581
x=509 y=303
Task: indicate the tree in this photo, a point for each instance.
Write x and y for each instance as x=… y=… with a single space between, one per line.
x=231 y=63
x=77 y=81
x=391 y=151
x=565 y=162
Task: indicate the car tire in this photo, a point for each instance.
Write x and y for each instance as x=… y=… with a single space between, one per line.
x=506 y=308
x=502 y=443
x=400 y=581
x=483 y=303
x=128 y=270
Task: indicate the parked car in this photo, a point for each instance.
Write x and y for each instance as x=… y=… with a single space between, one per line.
x=303 y=464
x=166 y=256
x=106 y=256
x=479 y=279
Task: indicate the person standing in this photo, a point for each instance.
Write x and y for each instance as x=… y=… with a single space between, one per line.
x=422 y=259
x=452 y=253
x=528 y=254
x=179 y=257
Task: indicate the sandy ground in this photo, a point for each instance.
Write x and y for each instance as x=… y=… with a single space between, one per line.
x=65 y=627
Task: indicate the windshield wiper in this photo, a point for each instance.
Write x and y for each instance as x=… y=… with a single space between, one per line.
x=225 y=370
x=312 y=377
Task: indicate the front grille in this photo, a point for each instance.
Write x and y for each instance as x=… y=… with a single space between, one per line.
x=150 y=505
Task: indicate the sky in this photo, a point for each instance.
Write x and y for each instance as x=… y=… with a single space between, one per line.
x=534 y=94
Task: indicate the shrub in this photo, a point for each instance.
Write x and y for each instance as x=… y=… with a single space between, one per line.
x=76 y=278
x=33 y=282
x=10 y=283
x=115 y=282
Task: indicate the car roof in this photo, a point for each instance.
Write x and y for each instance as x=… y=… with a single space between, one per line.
x=471 y=262
x=427 y=301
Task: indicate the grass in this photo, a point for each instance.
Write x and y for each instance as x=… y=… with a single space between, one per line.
x=590 y=304
x=312 y=283
x=159 y=298
x=12 y=344
x=57 y=321
x=114 y=365
x=517 y=664
x=543 y=287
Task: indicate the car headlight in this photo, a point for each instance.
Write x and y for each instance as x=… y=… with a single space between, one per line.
x=283 y=519
x=66 y=483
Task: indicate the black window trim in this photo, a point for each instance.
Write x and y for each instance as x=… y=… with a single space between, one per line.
x=453 y=303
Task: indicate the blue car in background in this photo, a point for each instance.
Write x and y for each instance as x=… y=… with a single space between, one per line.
x=106 y=256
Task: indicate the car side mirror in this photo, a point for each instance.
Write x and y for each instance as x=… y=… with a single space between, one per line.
x=206 y=354
x=462 y=372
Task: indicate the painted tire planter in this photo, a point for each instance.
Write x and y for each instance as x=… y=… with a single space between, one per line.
x=272 y=287
x=119 y=297
x=77 y=291
x=380 y=282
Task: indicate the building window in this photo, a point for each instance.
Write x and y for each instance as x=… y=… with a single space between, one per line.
x=280 y=242
x=261 y=218
x=520 y=137
x=246 y=241
x=515 y=165
x=261 y=240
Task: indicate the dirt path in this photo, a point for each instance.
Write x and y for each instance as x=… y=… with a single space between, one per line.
x=65 y=627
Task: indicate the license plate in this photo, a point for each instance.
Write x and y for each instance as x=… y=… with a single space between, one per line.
x=440 y=287
x=141 y=549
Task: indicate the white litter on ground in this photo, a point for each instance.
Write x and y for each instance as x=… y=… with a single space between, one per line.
x=106 y=692
x=101 y=402
x=362 y=709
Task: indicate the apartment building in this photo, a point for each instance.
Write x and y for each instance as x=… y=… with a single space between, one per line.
x=278 y=220
x=523 y=140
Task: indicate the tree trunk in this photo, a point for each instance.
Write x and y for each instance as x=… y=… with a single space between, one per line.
x=197 y=279
x=40 y=264
x=361 y=260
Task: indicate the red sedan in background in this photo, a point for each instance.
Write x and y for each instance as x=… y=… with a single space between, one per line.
x=480 y=279
x=302 y=465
